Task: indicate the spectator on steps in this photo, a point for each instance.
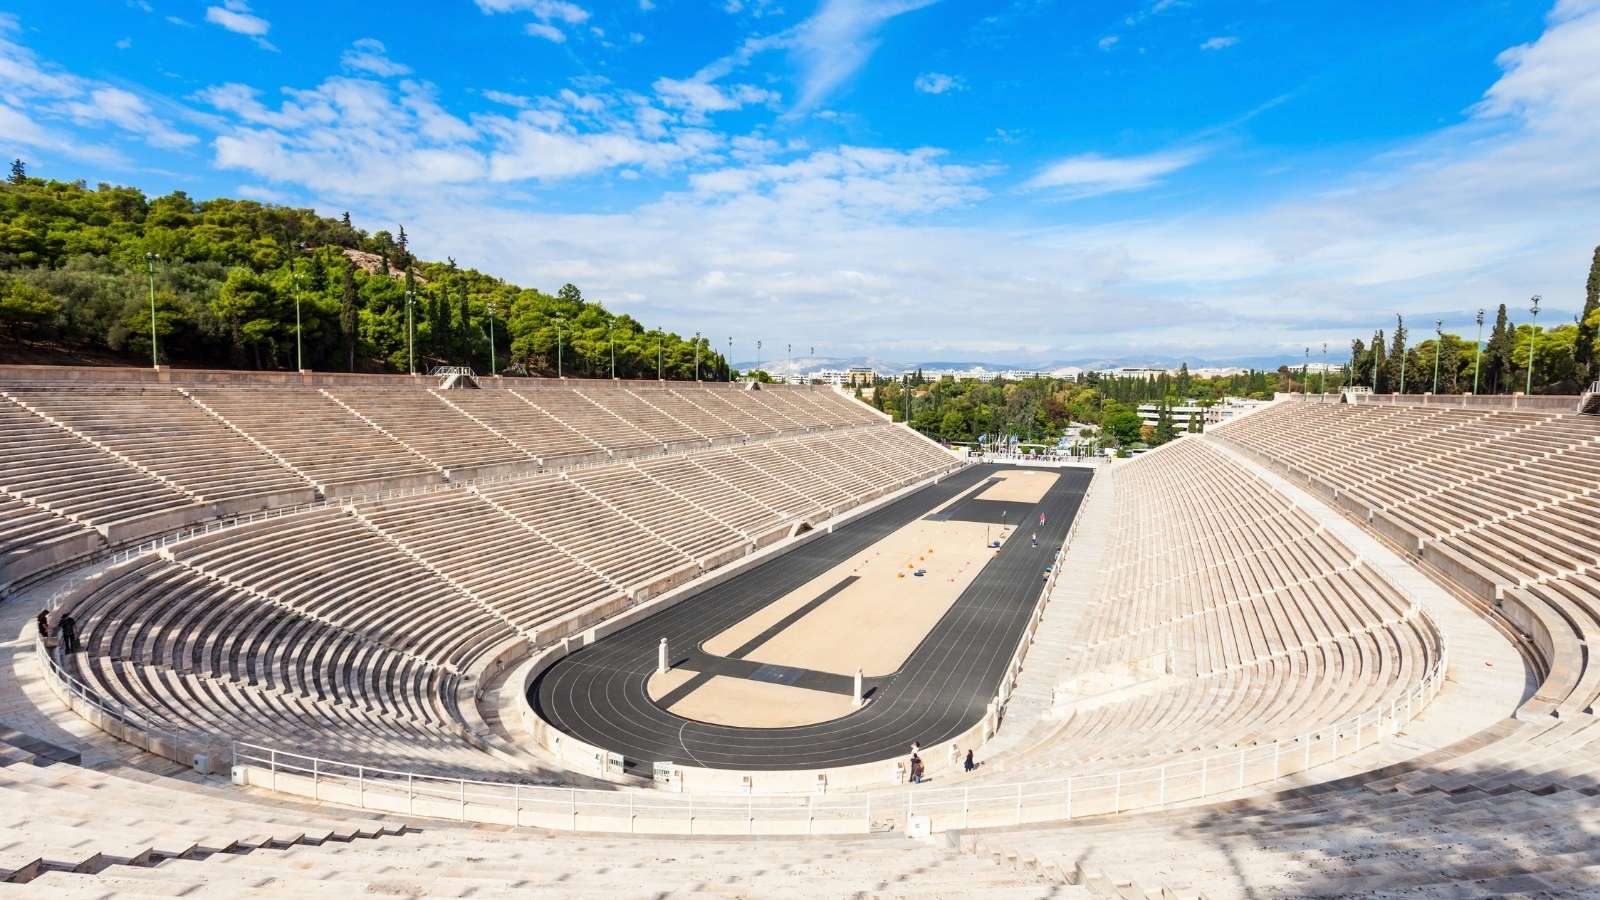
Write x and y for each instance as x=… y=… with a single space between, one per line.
x=44 y=624
x=967 y=765
x=916 y=769
x=69 y=634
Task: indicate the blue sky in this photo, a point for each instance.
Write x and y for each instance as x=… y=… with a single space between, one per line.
x=1018 y=180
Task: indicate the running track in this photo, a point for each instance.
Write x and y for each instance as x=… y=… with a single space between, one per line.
x=598 y=693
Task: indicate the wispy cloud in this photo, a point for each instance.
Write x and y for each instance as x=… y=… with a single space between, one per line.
x=235 y=16
x=835 y=43
x=1218 y=43
x=370 y=56
x=1091 y=174
x=551 y=16
x=938 y=83
x=1107 y=42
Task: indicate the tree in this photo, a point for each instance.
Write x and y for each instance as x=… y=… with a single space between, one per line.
x=1497 y=361
x=1400 y=371
x=345 y=219
x=19 y=171
x=1586 y=344
x=248 y=304
x=26 y=309
x=1164 y=430
x=349 y=315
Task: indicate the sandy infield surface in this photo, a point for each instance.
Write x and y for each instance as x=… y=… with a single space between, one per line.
x=750 y=704
x=876 y=622
x=1020 y=486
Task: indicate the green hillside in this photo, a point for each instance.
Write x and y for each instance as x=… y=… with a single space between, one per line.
x=75 y=287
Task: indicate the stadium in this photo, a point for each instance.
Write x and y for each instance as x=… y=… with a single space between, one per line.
x=649 y=634
x=869 y=449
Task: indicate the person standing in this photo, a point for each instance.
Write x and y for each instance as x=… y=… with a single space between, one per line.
x=967 y=765
x=69 y=634
x=916 y=769
x=44 y=624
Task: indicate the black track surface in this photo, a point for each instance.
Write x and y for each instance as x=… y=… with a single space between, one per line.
x=598 y=693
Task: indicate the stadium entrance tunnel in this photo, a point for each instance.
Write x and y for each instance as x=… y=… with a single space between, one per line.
x=926 y=597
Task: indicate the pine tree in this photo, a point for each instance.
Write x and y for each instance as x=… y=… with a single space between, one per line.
x=345 y=220
x=403 y=242
x=1164 y=429
x=1584 y=351
x=1497 y=353
x=19 y=171
x=349 y=316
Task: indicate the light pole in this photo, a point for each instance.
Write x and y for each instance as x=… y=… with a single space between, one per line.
x=1439 y=343
x=559 y=320
x=299 y=359
x=758 y=356
x=697 y=356
x=1323 y=386
x=491 y=340
x=411 y=351
x=1478 y=359
x=150 y=265
x=789 y=366
x=611 y=332
x=1305 y=378
x=727 y=364
x=659 y=336
x=1533 y=332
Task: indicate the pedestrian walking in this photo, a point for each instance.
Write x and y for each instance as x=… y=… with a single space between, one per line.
x=69 y=634
x=967 y=765
x=916 y=769
x=1036 y=539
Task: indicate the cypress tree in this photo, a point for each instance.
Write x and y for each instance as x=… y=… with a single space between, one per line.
x=349 y=316
x=19 y=171
x=1497 y=353
x=1584 y=351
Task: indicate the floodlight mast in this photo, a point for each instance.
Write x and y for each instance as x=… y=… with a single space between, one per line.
x=1533 y=333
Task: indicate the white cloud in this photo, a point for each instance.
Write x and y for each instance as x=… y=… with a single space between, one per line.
x=696 y=98
x=235 y=16
x=1107 y=42
x=180 y=21
x=369 y=55
x=1218 y=43
x=836 y=42
x=40 y=96
x=125 y=43
x=647 y=5
x=938 y=83
x=1091 y=174
x=549 y=10
x=548 y=32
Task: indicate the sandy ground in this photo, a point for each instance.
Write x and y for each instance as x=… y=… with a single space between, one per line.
x=1020 y=486
x=662 y=684
x=755 y=704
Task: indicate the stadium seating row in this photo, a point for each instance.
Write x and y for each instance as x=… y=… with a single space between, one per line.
x=131 y=461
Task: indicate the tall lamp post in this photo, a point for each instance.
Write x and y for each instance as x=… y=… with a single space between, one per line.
x=150 y=266
x=1305 y=378
x=611 y=332
x=559 y=320
x=1323 y=386
x=1478 y=359
x=299 y=358
x=727 y=363
x=789 y=366
x=659 y=337
x=1438 y=343
x=697 y=356
x=1533 y=332
x=491 y=340
x=411 y=351
x=758 y=356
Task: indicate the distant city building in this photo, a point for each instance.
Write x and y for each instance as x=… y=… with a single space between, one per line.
x=1137 y=372
x=855 y=376
x=1150 y=413
x=1218 y=371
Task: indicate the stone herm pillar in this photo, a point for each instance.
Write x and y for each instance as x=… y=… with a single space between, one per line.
x=661 y=658
x=855 y=698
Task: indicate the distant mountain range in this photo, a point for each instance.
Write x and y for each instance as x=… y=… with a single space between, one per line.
x=812 y=363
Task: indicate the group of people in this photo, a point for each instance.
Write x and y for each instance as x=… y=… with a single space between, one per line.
x=919 y=774
x=66 y=631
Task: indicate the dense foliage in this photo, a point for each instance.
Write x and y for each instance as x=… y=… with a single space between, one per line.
x=226 y=274
x=1039 y=410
